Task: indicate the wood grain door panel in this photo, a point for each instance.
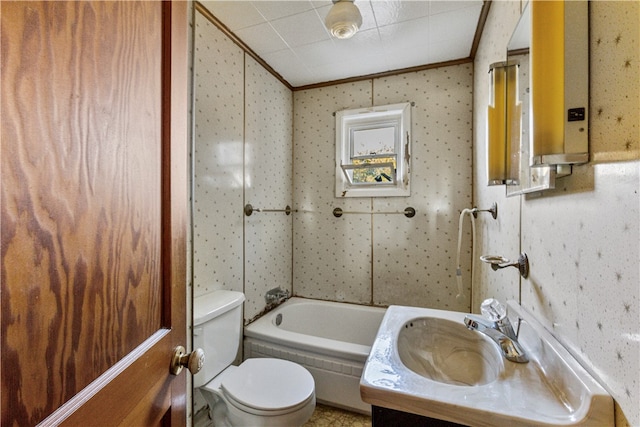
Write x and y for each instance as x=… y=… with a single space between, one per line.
x=93 y=210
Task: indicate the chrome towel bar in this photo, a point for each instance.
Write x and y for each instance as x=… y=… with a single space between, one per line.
x=408 y=212
x=248 y=210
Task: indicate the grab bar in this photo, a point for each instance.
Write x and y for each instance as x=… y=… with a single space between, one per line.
x=408 y=212
x=248 y=210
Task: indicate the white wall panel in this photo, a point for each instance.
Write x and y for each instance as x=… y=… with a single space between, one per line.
x=583 y=238
x=385 y=259
x=332 y=256
x=218 y=160
x=414 y=259
x=268 y=174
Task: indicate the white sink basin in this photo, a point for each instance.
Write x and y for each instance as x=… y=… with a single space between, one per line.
x=427 y=362
x=445 y=351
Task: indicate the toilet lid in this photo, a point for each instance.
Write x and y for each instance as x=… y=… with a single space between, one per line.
x=269 y=384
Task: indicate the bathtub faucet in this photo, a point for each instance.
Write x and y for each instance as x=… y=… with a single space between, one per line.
x=496 y=325
x=276 y=296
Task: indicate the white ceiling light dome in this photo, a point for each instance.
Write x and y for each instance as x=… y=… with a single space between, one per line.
x=344 y=19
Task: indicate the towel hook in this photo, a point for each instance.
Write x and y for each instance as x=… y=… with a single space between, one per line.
x=493 y=210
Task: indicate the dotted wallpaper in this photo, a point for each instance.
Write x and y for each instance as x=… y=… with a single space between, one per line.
x=414 y=259
x=583 y=239
x=615 y=63
x=584 y=281
x=502 y=235
x=218 y=154
x=332 y=256
x=258 y=143
x=243 y=145
x=268 y=175
x=386 y=259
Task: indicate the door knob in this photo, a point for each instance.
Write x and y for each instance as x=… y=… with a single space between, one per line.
x=192 y=361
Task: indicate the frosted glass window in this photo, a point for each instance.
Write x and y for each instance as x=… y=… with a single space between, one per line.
x=373 y=141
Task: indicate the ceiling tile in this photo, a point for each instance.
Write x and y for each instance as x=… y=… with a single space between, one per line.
x=440 y=28
x=277 y=9
x=390 y=12
x=315 y=54
x=408 y=34
x=441 y=52
x=360 y=66
x=262 y=38
x=291 y=37
x=360 y=48
x=436 y=7
x=321 y=3
x=406 y=57
x=290 y=67
x=367 y=41
x=303 y=28
x=234 y=14
x=337 y=71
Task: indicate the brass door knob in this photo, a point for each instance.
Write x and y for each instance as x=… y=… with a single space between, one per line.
x=192 y=361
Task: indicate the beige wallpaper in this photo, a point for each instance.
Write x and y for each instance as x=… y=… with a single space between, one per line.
x=332 y=256
x=244 y=153
x=267 y=176
x=615 y=36
x=582 y=238
x=500 y=237
x=386 y=259
x=218 y=160
x=243 y=144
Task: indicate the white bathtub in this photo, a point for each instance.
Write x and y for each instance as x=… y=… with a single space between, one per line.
x=332 y=340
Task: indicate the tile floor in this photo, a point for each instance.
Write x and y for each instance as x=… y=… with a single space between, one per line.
x=323 y=416
x=327 y=416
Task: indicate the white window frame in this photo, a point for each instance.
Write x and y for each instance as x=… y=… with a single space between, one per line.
x=397 y=116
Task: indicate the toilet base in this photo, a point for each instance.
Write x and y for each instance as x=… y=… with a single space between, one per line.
x=225 y=414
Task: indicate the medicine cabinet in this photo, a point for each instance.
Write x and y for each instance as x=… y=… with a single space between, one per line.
x=544 y=85
x=373 y=151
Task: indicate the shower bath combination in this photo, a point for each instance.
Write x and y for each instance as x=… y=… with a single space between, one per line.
x=473 y=214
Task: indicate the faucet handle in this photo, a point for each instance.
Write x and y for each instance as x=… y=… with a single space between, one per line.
x=493 y=310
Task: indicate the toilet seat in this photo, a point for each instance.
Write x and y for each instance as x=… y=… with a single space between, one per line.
x=268 y=386
x=268 y=412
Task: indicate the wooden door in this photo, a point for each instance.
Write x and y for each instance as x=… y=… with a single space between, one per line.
x=94 y=212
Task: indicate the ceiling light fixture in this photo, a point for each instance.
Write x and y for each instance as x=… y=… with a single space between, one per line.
x=344 y=19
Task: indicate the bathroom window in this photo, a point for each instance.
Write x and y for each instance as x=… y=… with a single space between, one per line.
x=373 y=151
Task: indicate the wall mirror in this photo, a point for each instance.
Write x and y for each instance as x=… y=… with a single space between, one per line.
x=373 y=151
x=549 y=120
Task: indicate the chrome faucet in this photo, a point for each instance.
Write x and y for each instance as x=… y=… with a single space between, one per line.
x=496 y=325
x=276 y=296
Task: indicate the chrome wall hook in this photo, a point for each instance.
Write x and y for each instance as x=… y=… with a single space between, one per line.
x=493 y=210
x=498 y=262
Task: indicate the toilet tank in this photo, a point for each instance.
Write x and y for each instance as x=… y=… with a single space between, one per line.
x=217 y=329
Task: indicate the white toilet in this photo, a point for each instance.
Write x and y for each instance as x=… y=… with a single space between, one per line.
x=259 y=392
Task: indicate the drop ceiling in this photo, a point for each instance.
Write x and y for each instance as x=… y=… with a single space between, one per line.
x=291 y=38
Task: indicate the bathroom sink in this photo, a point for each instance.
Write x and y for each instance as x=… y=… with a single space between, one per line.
x=444 y=351
x=426 y=362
